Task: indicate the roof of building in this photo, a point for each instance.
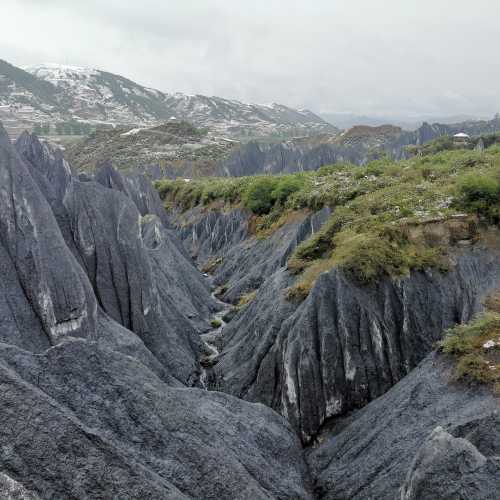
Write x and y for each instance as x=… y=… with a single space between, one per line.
x=461 y=135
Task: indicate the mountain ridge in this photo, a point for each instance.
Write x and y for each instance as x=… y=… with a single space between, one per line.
x=54 y=92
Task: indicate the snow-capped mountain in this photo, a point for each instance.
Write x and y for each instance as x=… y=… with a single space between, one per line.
x=93 y=95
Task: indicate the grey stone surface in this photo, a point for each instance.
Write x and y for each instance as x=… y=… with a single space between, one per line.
x=100 y=314
x=447 y=467
x=358 y=146
x=90 y=408
x=178 y=281
x=98 y=424
x=51 y=279
x=346 y=344
x=243 y=261
x=421 y=440
x=137 y=187
x=106 y=228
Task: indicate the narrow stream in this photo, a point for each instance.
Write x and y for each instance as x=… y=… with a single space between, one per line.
x=210 y=341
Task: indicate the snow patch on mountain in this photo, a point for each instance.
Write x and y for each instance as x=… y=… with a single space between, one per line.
x=96 y=96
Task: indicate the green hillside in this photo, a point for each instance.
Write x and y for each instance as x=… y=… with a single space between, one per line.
x=387 y=217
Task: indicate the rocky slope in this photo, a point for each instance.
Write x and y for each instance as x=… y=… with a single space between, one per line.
x=174 y=149
x=426 y=438
x=346 y=344
x=25 y=99
x=358 y=145
x=95 y=354
x=53 y=92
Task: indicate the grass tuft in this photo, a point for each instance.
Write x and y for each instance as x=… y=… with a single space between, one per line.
x=476 y=349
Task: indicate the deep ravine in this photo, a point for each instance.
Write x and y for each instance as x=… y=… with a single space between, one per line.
x=101 y=310
x=212 y=339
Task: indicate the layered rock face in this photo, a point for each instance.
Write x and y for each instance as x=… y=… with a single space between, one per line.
x=48 y=282
x=242 y=262
x=420 y=434
x=426 y=438
x=298 y=155
x=101 y=425
x=346 y=344
x=96 y=351
x=358 y=145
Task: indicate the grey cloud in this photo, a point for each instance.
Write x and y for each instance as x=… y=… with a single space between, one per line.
x=391 y=57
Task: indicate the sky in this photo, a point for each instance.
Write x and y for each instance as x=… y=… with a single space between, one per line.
x=405 y=58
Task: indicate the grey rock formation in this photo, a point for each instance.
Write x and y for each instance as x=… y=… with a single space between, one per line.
x=448 y=467
x=357 y=145
x=53 y=283
x=91 y=409
x=91 y=423
x=136 y=187
x=103 y=228
x=100 y=315
x=241 y=261
x=207 y=234
x=298 y=155
x=428 y=437
x=106 y=228
x=346 y=344
x=178 y=281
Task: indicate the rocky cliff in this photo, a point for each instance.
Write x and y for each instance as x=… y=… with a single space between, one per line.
x=189 y=156
x=347 y=343
x=95 y=353
x=358 y=145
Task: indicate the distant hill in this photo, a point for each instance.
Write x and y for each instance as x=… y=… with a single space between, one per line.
x=170 y=150
x=176 y=149
x=53 y=92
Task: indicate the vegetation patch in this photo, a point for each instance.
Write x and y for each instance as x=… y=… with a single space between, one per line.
x=476 y=346
x=388 y=217
x=247 y=298
x=481 y=194
x=211 y=265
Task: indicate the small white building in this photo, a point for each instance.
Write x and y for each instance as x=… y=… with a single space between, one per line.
x=461 y=138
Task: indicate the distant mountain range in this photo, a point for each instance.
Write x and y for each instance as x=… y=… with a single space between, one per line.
x=348 y=120
x=53 y=92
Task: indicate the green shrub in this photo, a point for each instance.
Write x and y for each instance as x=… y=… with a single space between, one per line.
x=376 y=167
x=258 y=196
x=481 y=194
x=476 y=360
x=285 y=187
x=216 y=323
x=367 y=257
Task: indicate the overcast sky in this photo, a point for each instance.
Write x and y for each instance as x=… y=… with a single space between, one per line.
x=391 y=57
